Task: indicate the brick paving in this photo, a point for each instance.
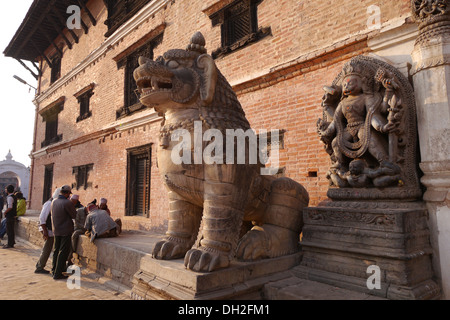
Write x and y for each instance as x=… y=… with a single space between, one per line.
x=19 y=282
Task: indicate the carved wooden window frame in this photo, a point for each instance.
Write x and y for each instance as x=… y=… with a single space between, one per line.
x=239 y=26
x=130 y=63
x=55 y=71
x=133 y=156
x=81 y=174
x=50 y=117
x=84 y=97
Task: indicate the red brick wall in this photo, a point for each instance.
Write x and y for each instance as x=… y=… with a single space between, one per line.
x=300 y=30
x=108 y=177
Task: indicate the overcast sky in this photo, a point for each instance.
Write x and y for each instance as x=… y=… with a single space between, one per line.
x=17 y=108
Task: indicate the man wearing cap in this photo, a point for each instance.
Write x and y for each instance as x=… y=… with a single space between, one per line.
x=104 y=205
x=62 y=213
x=100 y=225
x=76 y=201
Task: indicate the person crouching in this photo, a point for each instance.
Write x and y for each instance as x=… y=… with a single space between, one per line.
x=100 y=225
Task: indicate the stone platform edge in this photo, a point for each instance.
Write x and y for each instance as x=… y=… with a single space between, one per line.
x=121 y=262
x=124 y=260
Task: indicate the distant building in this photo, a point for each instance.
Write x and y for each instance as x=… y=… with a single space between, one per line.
x=15 y=173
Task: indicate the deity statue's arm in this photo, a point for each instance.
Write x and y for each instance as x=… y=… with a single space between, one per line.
x=390 y=105
x=330 y=100
x=387 y=81
x=374 y=105
x=331 y=129
x=379 y=122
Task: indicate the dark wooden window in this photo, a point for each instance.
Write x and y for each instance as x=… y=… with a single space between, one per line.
x=138 y=181
x=81 y=174
x=48 y=182
x=84 y=98
x=51 y=128
x=50 y=116
x=239 y=26
x=56 y=69
x=131 y=62
x=119 y=11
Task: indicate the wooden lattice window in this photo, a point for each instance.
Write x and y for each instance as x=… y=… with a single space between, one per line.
x=84 y=98
x=119 y=11
x=56 y=69
x=51 y=128
x=50 y=117
x=131 y=62
x=81 y=174
x=239 y=25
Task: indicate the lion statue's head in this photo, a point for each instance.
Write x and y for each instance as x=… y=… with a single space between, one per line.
x=189 y=79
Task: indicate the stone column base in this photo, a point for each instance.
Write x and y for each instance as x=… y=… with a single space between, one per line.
x=343 y=239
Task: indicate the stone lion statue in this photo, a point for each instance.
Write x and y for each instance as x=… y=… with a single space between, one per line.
x=218 y=211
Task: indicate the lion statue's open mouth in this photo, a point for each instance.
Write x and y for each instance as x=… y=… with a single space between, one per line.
x=149 y=85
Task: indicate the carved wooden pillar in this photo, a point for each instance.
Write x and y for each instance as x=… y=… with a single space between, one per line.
x=431 y=76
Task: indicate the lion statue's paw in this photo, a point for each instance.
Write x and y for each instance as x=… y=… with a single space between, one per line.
x=253 y=246
x=268 y=241
x=169 y=249
x=202 y=260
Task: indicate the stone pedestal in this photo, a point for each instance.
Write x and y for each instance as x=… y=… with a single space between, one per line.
x=342 y=239
x=170 y=280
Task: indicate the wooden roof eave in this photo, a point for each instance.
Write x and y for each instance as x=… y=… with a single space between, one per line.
x=43 y=23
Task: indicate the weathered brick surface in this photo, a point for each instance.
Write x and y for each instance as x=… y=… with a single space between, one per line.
x=279 y=81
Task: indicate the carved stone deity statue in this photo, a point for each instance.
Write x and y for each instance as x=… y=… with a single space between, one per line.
x=369 y=130
x=211 y=200
x=376 y=213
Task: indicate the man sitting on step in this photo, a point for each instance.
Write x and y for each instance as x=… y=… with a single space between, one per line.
x=100 y=225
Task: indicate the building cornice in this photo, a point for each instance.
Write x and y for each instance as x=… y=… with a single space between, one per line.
x=134 y=122
x=141 y=119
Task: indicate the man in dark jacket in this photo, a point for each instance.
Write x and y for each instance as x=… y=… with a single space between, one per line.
x=10 y=215
x=62 y=212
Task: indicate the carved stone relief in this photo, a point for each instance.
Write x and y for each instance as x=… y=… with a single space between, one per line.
x=369 y=131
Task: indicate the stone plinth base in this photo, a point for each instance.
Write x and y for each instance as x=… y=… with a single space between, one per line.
x=160 y=279
x=341 y=240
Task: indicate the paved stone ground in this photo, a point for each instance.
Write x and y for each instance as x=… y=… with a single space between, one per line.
x=19 y=282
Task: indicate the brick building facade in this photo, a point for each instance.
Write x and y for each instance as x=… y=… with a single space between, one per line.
x=92 y=133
